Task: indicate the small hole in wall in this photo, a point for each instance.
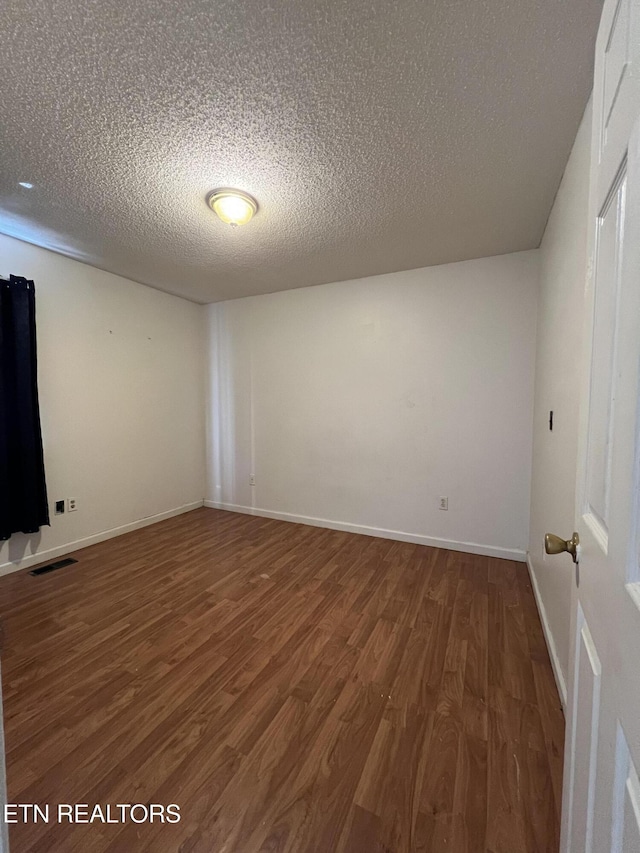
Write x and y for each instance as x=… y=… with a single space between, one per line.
x=551 y=421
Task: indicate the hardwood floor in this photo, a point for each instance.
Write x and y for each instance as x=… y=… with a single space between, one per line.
x=290 y=688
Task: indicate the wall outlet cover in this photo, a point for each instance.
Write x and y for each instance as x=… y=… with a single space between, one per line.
x=72 y=504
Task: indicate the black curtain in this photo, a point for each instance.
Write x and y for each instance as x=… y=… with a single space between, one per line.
x=23 y=491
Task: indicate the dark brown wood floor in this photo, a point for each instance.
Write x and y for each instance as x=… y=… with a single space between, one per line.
x=290 y=688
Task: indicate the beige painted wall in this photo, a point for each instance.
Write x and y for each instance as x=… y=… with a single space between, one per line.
x=357 y=405
x=120 y=370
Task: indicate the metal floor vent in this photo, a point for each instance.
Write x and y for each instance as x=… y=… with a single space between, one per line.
x=60 y=564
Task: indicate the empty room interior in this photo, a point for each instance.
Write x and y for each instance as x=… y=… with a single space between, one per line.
x=319 y=431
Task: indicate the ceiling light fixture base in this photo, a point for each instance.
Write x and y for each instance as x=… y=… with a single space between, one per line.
x=232 y=206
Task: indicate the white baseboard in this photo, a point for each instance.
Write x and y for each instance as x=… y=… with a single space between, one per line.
x=59 y=550
x=398 y=535
x=551 y=646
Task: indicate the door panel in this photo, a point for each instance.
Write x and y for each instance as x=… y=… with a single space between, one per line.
x=601 y=793
x=587 y=707
x=616 y=86
x=625 y=832
x=616 y=61
x=609 y=240
x=631 y=815
x=633 y=562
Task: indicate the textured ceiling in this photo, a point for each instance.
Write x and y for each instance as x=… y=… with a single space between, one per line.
x=376 y=135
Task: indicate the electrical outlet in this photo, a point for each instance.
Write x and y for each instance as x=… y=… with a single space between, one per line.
x=443 y=503
x=59 y=505
x=252 y=480
x=72 y=504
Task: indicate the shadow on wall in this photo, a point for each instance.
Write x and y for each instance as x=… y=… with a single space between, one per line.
x=18 y=226
x=221 y=416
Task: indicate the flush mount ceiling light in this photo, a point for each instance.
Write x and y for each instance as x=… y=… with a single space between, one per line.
x=232 y=206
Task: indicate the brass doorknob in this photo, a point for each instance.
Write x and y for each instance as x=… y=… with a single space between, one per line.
x=555 y=545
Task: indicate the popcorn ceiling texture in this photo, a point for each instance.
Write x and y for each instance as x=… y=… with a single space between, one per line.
x=376 y=135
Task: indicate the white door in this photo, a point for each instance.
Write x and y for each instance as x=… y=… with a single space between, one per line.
x=601 y=797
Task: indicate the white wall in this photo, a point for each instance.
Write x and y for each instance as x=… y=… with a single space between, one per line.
x=358 y=404
x=121 y=380
x=563 y=256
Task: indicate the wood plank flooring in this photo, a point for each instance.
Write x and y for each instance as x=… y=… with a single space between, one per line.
x=290 y=688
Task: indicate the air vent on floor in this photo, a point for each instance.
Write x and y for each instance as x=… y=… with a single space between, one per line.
x=43 y=570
